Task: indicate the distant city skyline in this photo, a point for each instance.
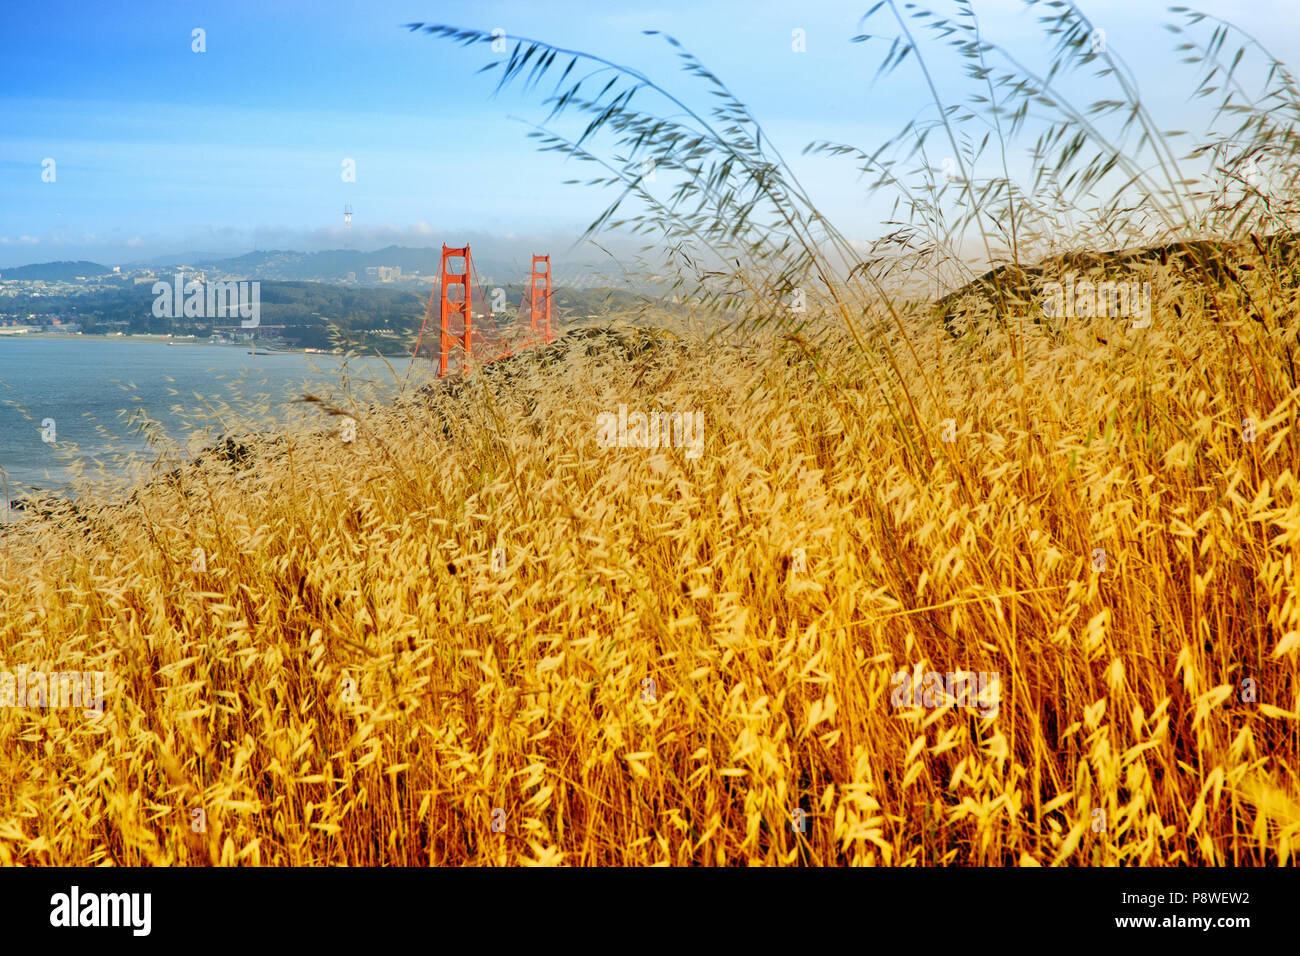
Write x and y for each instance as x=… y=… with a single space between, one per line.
x=158 y=149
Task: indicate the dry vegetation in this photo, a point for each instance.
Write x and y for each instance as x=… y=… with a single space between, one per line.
x=366 y=565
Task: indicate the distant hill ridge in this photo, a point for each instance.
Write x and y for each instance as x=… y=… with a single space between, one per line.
x=337 y=263
x=285 y=264
x=57 y=271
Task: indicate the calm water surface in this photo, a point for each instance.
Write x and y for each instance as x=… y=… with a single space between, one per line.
x=95 y=390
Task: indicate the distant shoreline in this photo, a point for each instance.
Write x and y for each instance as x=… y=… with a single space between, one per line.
x=140 y=337
x=181 y=341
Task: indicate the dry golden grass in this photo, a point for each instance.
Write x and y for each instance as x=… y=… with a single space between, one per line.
x=334 y=565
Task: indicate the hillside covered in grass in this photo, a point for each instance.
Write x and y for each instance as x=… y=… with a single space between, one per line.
x=651 y=672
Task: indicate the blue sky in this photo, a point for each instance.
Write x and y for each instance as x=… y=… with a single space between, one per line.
x=159 y=149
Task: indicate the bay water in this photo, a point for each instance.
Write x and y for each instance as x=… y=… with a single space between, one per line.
x=74 y=405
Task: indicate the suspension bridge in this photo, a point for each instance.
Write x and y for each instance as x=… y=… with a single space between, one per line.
x=467 y=336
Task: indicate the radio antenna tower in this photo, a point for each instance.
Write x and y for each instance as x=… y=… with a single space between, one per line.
x=347 y=215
